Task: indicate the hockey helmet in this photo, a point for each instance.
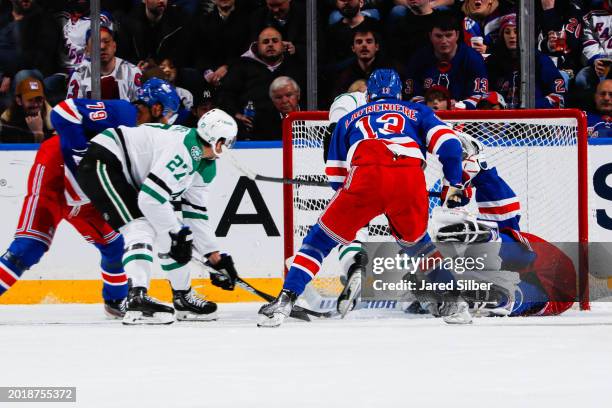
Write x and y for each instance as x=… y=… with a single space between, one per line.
x=384 y=83
x=215 y=125
x=157 y=90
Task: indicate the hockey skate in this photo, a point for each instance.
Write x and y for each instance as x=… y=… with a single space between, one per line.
x=143 y=309
x=496 y=302
x=455 y=312
x=191 y=307
x=274 y=313
x=352 y=289
x=115 y=309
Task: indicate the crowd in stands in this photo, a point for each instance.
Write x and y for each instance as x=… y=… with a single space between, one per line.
x=248 y=57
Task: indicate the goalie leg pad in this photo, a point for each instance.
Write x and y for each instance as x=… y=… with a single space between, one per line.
x=467 y=232
x=352 y=291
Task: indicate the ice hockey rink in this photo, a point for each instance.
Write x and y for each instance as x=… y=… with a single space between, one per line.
x=369 y=359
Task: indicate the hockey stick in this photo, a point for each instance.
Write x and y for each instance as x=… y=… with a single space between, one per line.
x=297 y=181
x=239 y=281
x=297 y=312
x=254 y=176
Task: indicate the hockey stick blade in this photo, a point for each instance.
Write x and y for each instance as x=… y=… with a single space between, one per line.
x=247 y=286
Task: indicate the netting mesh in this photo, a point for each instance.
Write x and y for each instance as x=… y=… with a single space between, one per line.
x=537 y=158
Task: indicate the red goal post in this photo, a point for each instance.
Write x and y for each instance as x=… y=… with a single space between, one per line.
x=542 y=153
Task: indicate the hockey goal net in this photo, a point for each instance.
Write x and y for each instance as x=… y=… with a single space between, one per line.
x=542 y=155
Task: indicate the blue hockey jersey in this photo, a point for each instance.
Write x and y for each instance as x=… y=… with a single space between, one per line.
x=77 y=121
x=496 y=200
x=599 y=125
x=464 y=75
x=407 y=129
x=505 y=78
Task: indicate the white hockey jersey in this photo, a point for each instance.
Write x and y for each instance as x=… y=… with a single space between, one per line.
x=345 y=103
x=74 y=31
x=124 y=80
x=165 y=164
x=597 y=28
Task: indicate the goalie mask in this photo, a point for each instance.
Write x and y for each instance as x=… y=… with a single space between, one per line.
x=215 y=125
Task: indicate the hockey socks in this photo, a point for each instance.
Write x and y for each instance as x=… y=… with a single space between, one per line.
x=113 y=275
x=307 y=262
x=22 y=254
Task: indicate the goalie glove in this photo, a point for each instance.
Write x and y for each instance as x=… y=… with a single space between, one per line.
x=181 y=246
x=455 y=196
x=226 y=275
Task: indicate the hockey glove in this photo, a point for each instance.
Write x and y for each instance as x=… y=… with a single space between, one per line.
x=181 y=246
x=227 y=274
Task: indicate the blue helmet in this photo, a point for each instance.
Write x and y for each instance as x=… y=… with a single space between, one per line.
x=384 y=83
x=157 y=90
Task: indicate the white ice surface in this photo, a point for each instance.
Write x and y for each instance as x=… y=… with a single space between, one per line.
x=363 y=361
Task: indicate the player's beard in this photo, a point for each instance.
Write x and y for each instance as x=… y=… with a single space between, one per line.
x=349 y=12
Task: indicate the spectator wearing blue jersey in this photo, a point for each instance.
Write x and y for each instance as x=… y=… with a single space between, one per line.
x=481 y=22
x=446 y=62
x=504 y=64
x=600 y=119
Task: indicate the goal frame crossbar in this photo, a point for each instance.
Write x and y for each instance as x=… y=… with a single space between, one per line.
x=531 y=114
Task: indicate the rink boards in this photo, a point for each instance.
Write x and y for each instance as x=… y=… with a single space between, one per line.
x=246 y=216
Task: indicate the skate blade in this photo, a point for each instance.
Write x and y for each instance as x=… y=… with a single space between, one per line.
x=497 y=312
x=354 y=290
x=137 y=318
x=193 y=317
x=274 y=321
x=113 y=315
x=458 y=318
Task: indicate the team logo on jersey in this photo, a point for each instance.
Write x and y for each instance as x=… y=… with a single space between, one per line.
x=196 y=153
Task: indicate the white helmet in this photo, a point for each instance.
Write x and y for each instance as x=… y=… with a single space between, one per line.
x=473 y=159
x=216 y=124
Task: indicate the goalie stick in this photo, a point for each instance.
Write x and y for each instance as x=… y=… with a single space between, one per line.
x=284 y=180
x=297 y=312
